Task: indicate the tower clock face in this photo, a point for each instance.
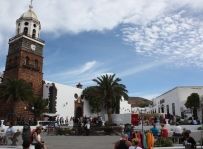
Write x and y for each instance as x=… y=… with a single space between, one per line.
x=33 y=47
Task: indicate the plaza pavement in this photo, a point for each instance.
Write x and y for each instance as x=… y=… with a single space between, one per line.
x=73 y=142
x=80 y=142
x=86 y=142
x=83 y=142
x=90 y=142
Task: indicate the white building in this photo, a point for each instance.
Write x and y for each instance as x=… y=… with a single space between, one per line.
x=125 y=107
x=65 y=102
x=66 y=105
x=173 y=101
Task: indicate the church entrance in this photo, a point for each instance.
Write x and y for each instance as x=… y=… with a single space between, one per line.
x=79 y=112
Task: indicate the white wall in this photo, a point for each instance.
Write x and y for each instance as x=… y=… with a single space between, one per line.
x=125 y=107
x=178 y=96
x=65 y=99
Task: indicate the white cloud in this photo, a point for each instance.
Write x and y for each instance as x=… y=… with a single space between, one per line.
x=65 y=16
x=175 y=38
x=137 y=69
x=88 y=66
x=61 y=16
x=1 y=70
x=76 y=71
x=84 y=73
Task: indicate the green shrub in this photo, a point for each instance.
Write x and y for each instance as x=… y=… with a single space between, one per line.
x=108 y=130
x=63 y=131
x=117 y=129
x=164 y=142
x=200 y=128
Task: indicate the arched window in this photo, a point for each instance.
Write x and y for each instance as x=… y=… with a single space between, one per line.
x=173 y=109
x=27 y=60
x=36 y=64
x=33 y=33
x=18 y=31
x=25 y=31
x=26 y=23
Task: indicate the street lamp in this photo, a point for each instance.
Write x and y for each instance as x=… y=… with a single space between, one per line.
x=141 y=114
x=201 y=107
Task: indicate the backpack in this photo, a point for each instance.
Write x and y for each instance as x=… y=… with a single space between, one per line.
x=122 y=145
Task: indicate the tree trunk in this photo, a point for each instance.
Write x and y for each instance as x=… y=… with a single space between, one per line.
x=109 y=112
x=12 y=117
x=195 y=113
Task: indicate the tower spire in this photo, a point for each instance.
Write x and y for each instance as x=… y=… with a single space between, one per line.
x=31 y=6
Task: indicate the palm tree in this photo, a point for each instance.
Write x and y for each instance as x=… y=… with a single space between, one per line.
x=110 y=92
x=39 y=106
x=13 y=91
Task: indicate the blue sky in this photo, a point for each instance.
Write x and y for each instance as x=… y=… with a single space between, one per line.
x=153 y=46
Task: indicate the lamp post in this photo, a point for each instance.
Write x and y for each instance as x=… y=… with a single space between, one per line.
x=201 y=107
x=141 y=114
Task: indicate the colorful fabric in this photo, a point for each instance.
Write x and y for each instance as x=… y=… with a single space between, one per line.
x=164 y=133
x=144 y=141
x=150 y=140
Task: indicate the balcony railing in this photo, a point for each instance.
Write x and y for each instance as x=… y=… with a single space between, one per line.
x=38 y=39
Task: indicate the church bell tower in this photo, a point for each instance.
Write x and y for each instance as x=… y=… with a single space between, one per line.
x=25 y=54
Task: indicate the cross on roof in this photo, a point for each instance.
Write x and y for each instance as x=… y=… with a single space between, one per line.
x=30 y=6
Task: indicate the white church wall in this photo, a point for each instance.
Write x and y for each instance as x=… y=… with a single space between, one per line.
x=86 y=109
x=65 y=99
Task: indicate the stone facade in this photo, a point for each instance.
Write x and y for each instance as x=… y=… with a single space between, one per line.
x=25 y=62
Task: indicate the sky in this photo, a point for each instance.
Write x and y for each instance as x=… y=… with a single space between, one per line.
x=153 y=46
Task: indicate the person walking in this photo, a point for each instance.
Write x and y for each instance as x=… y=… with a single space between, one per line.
x=155 y=131
x=10 y=131
x=87 y=128
x=177 y=134
x=123 y=143
x=164 y=131
x=135 y=145
x=26 y=133
x=189 y=141
x=150 y=140
x=26 y=144
x=37 y=139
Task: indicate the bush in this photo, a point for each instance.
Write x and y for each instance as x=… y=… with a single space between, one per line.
x=200 y=128
x=164 y=142
x=108 y=130
x=117 y=129
x=61 y=131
